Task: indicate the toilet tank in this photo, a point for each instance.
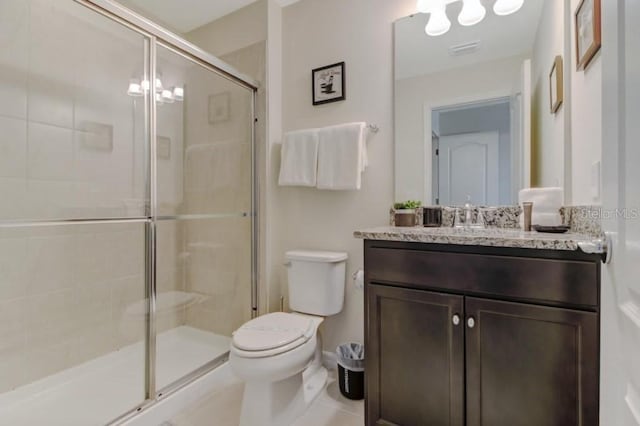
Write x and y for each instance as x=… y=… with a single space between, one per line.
x=316 y=281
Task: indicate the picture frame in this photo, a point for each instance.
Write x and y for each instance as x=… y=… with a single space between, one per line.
x=328 y=84
x=219 y=107
x=556 y=85
x=588 y=32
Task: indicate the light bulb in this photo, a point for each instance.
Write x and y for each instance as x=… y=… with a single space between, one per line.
x=423 y=6
x=178 y=93
x=145 y=85
x=167 y=96
x=135 y=89
x=158 y=85
x=507 y=7
x=472 y=12
x=438 y=22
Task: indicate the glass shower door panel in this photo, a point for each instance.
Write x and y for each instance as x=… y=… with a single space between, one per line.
x=204 y=292
x=204 y=140
x=204 y=238
x=72 y=323
x=72 y=133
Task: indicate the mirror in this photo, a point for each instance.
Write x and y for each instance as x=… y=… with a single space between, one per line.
x=473 y=115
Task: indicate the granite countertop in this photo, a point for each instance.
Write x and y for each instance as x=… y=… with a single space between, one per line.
x=491 y=237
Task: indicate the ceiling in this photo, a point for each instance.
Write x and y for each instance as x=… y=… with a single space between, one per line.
x=499 y=36
x=183 y=16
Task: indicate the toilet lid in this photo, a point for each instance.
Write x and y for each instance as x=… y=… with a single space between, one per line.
x=273 y=331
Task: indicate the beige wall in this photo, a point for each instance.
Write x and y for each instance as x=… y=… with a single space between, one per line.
x=317 y=33
x=565 y=145
x=586 y=120
x=548 y=130
x=234 y=31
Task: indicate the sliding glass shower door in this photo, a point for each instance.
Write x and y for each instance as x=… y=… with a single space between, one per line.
x=203 y=213
x=126 y=212
x=72 y=215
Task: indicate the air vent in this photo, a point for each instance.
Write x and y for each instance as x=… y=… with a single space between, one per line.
x=464 y=48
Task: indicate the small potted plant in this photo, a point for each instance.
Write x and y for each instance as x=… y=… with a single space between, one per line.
x=405 y=213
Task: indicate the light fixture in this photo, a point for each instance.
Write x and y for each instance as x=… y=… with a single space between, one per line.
x=507 y=7
x=135 y=88
x=438 y=21
x=178 y=93
x=472 y=12
x=159 y=87
x=167 y=96
x=162 y=96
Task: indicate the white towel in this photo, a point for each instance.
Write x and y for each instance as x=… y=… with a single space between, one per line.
x=342 y=156
x=299 y=158
x=546 y=205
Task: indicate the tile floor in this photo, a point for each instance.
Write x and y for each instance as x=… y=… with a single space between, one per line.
x=222 y=408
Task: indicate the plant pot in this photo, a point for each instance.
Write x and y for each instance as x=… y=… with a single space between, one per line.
x=405 y=217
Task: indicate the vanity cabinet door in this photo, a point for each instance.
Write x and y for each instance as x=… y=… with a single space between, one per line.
x=415 y=357
x=530 y=365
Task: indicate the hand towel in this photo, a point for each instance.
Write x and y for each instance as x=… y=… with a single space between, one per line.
x=299 y=158
x=546 y=205
x=342 y=156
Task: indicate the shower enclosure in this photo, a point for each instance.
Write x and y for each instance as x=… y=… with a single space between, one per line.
x=127 y=211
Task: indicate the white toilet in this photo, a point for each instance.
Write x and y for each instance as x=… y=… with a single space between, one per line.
x=279 y=355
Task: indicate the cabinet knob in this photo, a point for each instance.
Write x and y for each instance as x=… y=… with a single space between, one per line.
x=455 y=319
x=471 y=322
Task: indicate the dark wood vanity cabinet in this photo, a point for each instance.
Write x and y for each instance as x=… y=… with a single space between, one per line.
x=413 y=349
x=456 y=336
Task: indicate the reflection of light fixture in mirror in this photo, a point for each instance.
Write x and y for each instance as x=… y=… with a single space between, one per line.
x=135 y=88
x=507 y=7
x=167 y=96
x=159 y=87
x=472 y=12
x=438 y=22
x=178 y=93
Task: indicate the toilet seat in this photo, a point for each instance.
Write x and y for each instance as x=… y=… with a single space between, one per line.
x=272 y=334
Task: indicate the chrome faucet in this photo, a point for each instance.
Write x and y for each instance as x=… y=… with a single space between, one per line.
x=468 y=211
x=468 y=221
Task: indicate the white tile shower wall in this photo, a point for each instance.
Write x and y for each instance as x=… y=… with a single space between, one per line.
x=58 y=78
x=67 y=294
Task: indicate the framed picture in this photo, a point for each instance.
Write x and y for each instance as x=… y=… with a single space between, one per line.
x=556 y=88
x=219 y=108
x=328 y=84
x=588 y=32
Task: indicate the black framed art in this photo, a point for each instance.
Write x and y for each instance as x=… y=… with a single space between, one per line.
x=328 y=84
